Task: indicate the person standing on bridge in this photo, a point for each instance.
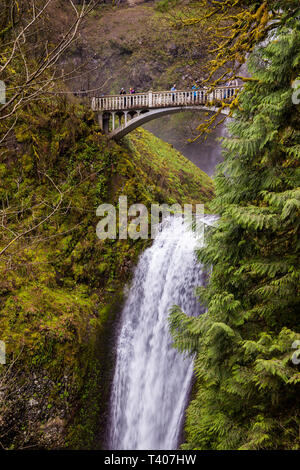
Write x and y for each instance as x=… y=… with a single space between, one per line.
x=232 y=83
x=195 y=88
x=131 y=91
x=173 y=89
x=123 y=92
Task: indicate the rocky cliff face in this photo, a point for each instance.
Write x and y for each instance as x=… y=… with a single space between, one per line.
x=134 y=43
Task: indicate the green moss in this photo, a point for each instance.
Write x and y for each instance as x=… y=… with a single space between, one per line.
x=165 y=167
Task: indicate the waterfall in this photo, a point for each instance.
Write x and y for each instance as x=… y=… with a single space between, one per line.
x=152 y=380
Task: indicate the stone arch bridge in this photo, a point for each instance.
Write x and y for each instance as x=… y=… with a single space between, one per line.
x=120 y=114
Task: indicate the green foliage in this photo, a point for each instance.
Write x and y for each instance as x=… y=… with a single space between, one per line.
x=165 y=5
x=247 y=385
x=61 y=287
x=178 y=179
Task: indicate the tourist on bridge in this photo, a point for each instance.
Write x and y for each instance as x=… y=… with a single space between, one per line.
x=123 y=92
x=230 y=83
x=173 y=89
x=195 y=88
x=233 y=83
x=131 y=91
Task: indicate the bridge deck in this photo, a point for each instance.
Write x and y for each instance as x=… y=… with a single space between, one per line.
x=162 y=99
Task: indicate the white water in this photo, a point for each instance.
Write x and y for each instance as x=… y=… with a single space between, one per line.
x=152 y=380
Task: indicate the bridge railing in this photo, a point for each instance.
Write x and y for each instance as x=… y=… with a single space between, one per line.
x=161 y=99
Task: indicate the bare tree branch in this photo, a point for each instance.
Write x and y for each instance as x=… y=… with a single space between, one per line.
x=28 y=82
x=17 y=237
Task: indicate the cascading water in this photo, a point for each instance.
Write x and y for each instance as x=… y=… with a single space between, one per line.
x=152 y=380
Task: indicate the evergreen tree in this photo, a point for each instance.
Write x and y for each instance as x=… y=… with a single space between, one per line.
x=247 y=384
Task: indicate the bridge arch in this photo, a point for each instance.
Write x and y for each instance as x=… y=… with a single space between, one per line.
x=152 y=114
